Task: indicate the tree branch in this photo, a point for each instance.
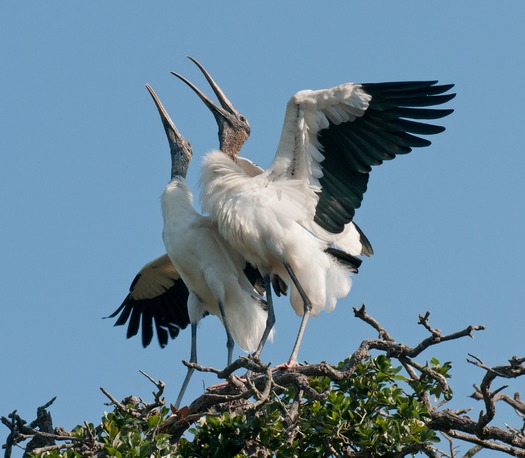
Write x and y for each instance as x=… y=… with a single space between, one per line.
x=261 y=385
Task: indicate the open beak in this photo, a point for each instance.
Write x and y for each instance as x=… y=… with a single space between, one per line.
x=176 y=141
x=226 y=110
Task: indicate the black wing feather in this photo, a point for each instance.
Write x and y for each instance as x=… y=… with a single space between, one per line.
x=256 y=279
x=167 y=312
x=386 y=129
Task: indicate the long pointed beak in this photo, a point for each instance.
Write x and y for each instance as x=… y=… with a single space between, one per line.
x=234 y=129
x=224 y=112
x=169 y=126
x=215 y=109
x=223 y=100
x=175 y=138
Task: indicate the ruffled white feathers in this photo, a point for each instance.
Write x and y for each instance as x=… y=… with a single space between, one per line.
x=210 y=269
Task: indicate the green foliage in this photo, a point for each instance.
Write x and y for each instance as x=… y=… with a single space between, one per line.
x=368 y=411
x=123 y=435
x=427 y=383
x=374 y=409
x=126 y=436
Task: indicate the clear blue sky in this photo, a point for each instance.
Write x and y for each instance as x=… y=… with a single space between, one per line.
x=84 y=160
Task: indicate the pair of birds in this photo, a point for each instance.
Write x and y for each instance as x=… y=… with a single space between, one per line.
x=289 y=226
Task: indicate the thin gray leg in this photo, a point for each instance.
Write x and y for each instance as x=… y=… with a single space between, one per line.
x=193 y=359
x=270 y=321
x=306 y=314
x=229 y=339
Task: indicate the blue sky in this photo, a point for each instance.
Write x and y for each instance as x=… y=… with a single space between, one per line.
x=84 y=160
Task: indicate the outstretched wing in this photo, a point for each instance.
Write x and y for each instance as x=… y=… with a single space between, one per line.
x=332 y=137
x=157 y=296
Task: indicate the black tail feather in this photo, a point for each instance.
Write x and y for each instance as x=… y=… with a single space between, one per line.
x=347 y=259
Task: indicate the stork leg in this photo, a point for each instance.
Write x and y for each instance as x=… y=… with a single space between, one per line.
x=229 y=339
x=307 y=308
x=270 y=321
x=193 y=359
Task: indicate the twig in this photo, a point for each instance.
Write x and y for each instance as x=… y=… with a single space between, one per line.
x=119 y=405
x=361 y=313
x=159 y=400
x=50 y=448
x=487 y=444
x=423 y=320
x=438 y=338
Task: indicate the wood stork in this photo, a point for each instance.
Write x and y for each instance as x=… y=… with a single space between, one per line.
x=286 y=219
x=199 y=267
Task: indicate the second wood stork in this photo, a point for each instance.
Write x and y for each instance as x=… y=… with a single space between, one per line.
x=199 y=267
x=286 y=219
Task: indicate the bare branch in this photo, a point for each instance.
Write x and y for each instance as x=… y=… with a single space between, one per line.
x=248 y=395
x=361 y=314
x=119 y=405
x=159 y=400
x=487 y=444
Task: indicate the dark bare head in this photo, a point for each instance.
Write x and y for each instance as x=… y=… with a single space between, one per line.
x=234 y=129
x=180 y=148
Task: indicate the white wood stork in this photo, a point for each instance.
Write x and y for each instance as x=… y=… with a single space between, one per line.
x=286 y=219
x=200 y=274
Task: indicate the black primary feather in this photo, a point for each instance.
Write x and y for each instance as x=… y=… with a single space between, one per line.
x=387 y=128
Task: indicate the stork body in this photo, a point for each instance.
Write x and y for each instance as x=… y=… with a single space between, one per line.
x=268 y=224
x=212 y=277
x=211 y=271
x=249 y=209
x=286 y=219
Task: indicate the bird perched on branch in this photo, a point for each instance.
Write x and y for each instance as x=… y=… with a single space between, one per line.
x=295 y=219
x=199 y=275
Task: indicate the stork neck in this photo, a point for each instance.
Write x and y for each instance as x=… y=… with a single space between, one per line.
x=231 y=152
x=179 y=165
x=231 y=143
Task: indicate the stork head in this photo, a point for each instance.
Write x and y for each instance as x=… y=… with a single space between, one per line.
x=234 y=129
x=180 y=148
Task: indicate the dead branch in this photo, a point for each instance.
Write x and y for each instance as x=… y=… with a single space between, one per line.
x=249 y=394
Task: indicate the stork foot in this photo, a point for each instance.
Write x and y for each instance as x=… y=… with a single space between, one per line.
x=290 y=364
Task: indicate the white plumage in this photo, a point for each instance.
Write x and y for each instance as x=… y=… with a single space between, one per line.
x=249 y=209
x=287 y=219
x=211 y=271
x=204 y=270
